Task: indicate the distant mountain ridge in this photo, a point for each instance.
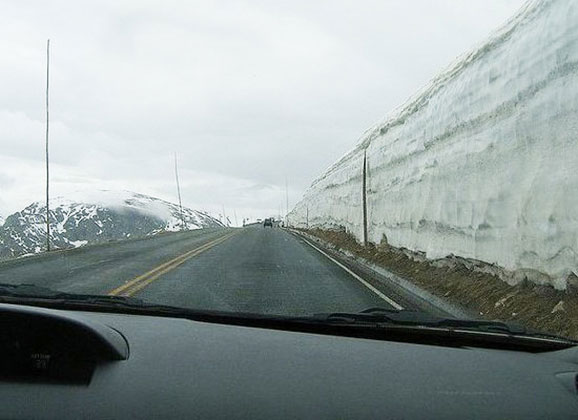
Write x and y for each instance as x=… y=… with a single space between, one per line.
x=94 y=217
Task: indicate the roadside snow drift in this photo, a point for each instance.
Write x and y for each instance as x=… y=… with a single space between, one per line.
x=482 y=163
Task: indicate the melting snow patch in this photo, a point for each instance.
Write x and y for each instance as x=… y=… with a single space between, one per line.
x=77 y=244
x=559 y=307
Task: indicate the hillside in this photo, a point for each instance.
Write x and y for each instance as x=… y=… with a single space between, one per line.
x=94 y=217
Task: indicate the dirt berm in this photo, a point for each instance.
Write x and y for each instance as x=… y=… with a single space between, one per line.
x=531 y=305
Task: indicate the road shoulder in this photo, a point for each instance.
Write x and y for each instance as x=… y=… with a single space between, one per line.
x=465 y=287
x=401 y=290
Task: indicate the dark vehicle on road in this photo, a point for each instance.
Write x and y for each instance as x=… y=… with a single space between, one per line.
x=268 y=222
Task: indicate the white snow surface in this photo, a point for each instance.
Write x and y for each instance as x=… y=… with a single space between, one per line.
x=85 y=217
x=168 y=212
x=1 y=220
x=482 y=163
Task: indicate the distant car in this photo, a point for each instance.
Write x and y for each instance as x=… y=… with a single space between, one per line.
x=268 y=222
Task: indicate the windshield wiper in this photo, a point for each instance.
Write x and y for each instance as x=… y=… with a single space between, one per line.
x=417 y=319
x=30 y=292
x=410 y=326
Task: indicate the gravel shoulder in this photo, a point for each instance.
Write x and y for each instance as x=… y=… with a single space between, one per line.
x=479 y=292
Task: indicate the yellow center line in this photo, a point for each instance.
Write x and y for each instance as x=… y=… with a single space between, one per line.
x=159 y=268
x=139 y=282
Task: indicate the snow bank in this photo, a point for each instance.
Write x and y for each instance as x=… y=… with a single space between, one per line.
x=482 y=163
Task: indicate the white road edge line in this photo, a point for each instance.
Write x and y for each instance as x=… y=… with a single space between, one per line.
x=366 y=284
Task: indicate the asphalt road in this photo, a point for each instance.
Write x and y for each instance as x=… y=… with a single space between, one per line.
x=100 y=268
x=263 y=270
x=255 y=269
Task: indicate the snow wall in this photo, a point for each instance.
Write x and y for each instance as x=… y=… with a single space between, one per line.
x=482 y=163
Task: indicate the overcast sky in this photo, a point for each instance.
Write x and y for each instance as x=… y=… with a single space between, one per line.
x=249 y=93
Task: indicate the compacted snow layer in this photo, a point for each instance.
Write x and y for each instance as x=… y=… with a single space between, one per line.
x=482 y=163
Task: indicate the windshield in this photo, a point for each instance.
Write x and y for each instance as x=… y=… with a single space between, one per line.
x=349 y=162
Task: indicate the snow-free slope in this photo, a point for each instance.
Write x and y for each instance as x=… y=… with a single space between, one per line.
x=482 y=163
x=94 y=217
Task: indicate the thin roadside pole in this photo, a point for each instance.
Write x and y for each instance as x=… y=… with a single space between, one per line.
x=364 y=197
x=47 y=165
x=286 y=204
x=183 y=221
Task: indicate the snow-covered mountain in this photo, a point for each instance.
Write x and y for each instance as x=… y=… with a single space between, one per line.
x=1 y=220
x=94 y=217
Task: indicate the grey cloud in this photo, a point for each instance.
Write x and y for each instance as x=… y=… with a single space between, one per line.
x=248 y=93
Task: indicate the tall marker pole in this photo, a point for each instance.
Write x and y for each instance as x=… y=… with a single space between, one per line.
x=364 y=197
x=47 y=166
x=286 y=204
x=179 y=194
x=225 y=221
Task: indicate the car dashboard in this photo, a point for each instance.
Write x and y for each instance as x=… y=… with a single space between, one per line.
x=75 y=364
